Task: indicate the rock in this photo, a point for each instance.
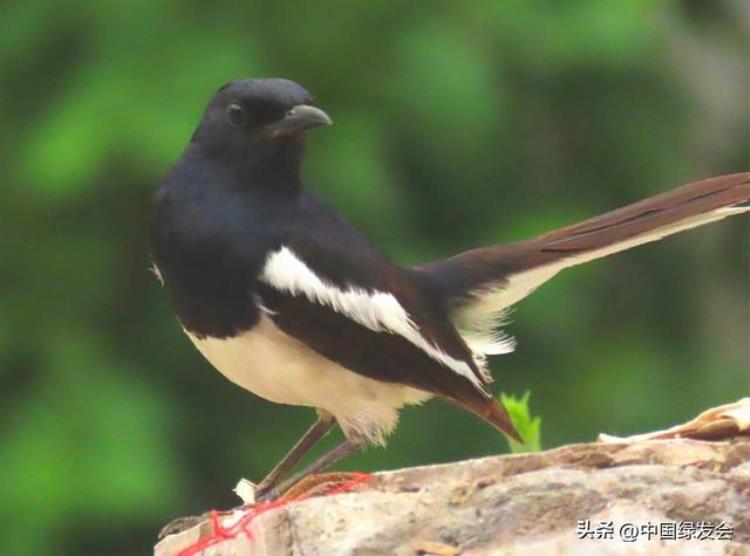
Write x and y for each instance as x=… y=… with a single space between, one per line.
x=540 y=503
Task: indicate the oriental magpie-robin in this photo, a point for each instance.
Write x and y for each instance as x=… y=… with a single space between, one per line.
x=288 y=300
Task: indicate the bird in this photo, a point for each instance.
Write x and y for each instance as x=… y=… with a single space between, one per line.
x=288 y=300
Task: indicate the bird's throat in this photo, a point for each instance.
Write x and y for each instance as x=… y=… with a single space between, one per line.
x=268 y=166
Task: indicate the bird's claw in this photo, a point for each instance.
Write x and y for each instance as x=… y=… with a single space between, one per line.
x=266 y=495
x=181 y=524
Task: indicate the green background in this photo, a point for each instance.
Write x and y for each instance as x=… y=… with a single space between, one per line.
x=457 y=124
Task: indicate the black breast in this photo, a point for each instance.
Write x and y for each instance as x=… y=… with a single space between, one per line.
x=209 y=245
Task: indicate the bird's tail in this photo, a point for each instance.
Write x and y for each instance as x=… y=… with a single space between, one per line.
x=687 y=207
x=481 y=283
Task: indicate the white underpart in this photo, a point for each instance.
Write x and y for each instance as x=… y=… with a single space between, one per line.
x=279 y=368
x=478 y=315
x=378 y=311
x=486 y=337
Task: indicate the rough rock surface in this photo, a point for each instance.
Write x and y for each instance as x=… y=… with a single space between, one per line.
x=520 y=504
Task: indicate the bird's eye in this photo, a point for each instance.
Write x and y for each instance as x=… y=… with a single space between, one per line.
x=236 y=114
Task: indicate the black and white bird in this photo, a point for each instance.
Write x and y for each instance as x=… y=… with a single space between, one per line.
x=291 y=302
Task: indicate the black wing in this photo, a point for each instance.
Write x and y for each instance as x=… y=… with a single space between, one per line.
x=329 y=288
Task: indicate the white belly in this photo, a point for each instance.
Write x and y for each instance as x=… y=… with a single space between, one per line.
x=277 y=367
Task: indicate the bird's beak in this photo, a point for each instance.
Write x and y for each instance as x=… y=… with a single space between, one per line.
x=299 y=118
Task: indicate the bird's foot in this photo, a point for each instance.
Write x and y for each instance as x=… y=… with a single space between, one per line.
x=181 y=524
x=266 y=495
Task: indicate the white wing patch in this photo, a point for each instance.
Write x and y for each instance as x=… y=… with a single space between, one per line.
x=378 y=311
x=155 y=270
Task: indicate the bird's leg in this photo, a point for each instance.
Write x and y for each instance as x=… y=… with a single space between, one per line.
x=321 y=427
x=346 y=448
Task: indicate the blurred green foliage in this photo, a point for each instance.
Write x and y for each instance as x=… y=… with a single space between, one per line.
x=457 y=124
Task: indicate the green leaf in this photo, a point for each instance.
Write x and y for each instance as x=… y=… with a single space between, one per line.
x=527 y=426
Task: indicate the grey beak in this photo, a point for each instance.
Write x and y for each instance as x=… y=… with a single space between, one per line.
x=301 y=117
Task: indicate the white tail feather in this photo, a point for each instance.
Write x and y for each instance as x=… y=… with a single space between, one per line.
x=477 y=318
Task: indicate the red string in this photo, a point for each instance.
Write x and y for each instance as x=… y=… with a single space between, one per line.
x=219 y=533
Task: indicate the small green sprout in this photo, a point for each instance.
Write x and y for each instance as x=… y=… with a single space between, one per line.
x=527 y=426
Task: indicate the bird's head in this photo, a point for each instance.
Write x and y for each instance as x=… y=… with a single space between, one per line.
x=259 y=123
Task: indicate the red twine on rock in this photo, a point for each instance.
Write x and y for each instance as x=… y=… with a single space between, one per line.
x=219 y=533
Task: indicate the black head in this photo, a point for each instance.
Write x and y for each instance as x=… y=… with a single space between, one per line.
x=259 y=122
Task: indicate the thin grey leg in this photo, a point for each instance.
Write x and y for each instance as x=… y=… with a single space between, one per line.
x=321 y=427
x=346 y=448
